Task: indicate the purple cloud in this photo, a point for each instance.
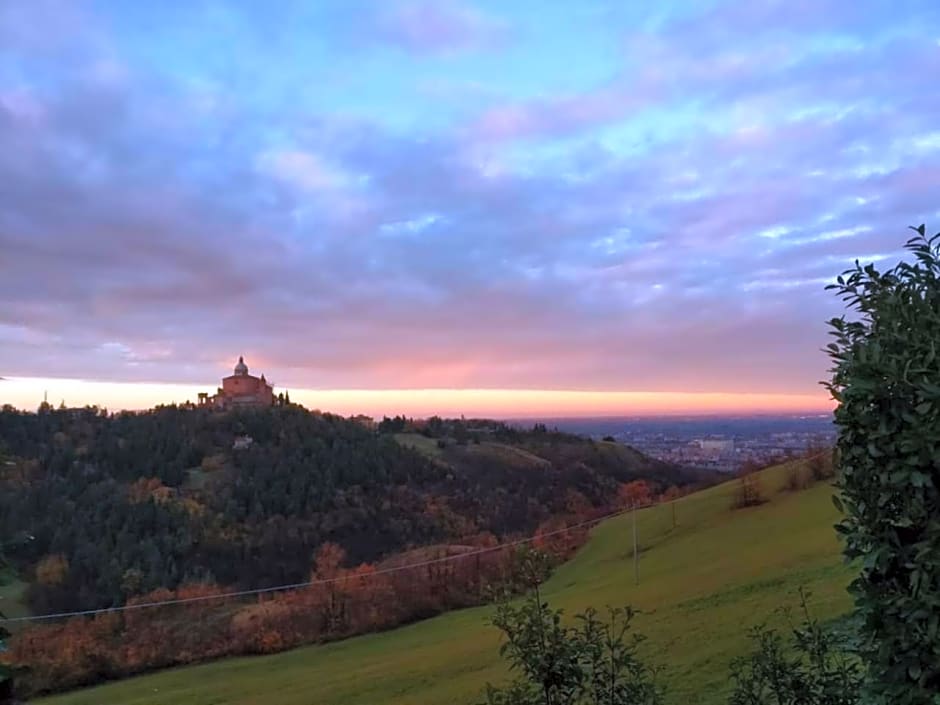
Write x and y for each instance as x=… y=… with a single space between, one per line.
x=670 y=228
x=443 y=27
x=555 y=116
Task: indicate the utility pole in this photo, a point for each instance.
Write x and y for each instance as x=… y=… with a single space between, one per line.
x=636 y=555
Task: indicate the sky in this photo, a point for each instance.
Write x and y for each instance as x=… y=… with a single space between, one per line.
x=521 y=208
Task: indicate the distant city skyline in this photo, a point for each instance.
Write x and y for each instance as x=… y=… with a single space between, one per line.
x=520 y=208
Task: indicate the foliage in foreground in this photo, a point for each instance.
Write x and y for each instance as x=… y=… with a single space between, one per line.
x=595 y=662
x=592 y=662
x=818 y=668
x=886 y=380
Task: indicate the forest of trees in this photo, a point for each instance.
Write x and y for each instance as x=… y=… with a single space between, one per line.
x=101 y=509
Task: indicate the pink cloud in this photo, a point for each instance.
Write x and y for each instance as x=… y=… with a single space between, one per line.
x=440 y=27
x=303 y=170
x=555 y=116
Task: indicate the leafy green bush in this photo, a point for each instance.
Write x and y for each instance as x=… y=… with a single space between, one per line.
x=593 y=662
x=817 y=669
x=886 y=380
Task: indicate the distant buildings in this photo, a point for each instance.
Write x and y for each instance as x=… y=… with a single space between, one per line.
x=366 y=421
x=242 y=442
x=240 y=389
x=716 y=445
x=720 y=443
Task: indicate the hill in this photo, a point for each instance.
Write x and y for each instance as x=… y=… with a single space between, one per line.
x=702 y=584
x=99 y=510
x=119 y=505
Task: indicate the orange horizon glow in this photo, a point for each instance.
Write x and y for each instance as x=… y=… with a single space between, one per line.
x=27 y=393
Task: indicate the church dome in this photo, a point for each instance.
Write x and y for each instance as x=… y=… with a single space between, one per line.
x=241 y=368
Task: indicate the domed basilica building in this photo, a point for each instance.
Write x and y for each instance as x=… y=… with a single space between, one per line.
x=240 y=389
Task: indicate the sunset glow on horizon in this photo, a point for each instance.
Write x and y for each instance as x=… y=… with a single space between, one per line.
x=420 y=403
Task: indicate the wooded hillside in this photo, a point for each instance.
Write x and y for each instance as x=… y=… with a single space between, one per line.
x=99 y=508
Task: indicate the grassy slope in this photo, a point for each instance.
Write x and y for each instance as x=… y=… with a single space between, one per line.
x=422 y=444
x=701 y=586
x=504 y=454
x=11 y=597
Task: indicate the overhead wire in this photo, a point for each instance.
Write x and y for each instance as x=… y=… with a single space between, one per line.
x=328 y=581
x=315 y=582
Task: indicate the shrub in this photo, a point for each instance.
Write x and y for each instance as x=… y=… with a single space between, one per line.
x=748 y=493
x=886 y=380
x=818 y=668
x=594 y=662
x=819 y=461
x=798 y=478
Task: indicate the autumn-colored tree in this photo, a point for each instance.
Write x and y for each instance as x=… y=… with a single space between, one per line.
x=261 y=626
x=370 y=596
x=452 y=522
x=213 y=463
x=638 y=493
x=52 y=569
x=672 y=493
x=143 y=489
x=554 y=538
x=328 y=561
x=483 y=540
x=576 y=504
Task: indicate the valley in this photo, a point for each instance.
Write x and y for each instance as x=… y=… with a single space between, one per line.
x=702 y=585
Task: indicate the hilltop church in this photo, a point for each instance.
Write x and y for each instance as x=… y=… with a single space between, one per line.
x=240 y=389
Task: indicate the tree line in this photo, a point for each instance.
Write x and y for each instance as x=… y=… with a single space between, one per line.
x=345 y=601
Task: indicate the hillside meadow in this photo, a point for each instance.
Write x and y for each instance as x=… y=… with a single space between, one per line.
x=11 y=596
x=702 y=585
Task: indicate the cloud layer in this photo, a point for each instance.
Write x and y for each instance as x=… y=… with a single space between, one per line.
x=402 y=195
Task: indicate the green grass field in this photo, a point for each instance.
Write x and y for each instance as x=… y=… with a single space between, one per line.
x=506 y=455
x=701 y=586
x=422 y=444
x=11 y=597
